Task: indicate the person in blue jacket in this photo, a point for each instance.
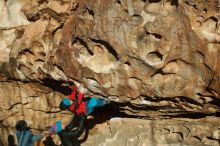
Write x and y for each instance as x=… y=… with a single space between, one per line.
x=24 y=134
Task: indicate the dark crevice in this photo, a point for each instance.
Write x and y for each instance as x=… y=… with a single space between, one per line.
x=206 y=65
x=199 y=94
x=209 y=89
x=217 y=114
x=118 y=2
x=49 y=141
x=90 y=12
x=193 y=115
x=154 y=1
x=53 y=14
x=115 y=109
x=213 y=18
x=158 y=99
x=215 y=101
x=135 y=78
x=59 y=67
x=26 y=50
x=203 y=58
x=191 y=4
x=189 y=100
x=141 y=61
x=59 y=27
x=174 y=3
x=136 y=19
x=58 y=86
x=156 y=35
x=108 y=47
x=112 y=110
x=50 y=12
x=136 y=15
x=39 y=60
x=161 y=72
x=201 y=54
x=196 y=137
x=195 y=7
x=11 y=140
x=128 y=63
x=187 y=3
x=83 y=43
x=13 y=105
x=181 y=134
x=33 y=18
x=211 y=138
x=176 y=60
x=42 y=1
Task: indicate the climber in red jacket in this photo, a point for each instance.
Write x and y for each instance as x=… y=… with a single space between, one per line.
x=81 y=108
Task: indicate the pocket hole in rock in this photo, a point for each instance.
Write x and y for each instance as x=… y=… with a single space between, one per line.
x=156 y=35
x=118 y=2
x=128 y=63
x=155 y=55
x=137 y=19
x=89 y=13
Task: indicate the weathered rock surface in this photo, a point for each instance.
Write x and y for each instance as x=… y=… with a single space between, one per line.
x=156 y=58
x=136 y=132
x=35 y=103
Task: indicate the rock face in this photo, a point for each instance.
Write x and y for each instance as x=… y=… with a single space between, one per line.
x=136 y=132
x=155 y=58
x=35 y=103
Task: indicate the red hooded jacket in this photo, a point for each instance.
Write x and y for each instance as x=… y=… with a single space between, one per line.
x=81 y=104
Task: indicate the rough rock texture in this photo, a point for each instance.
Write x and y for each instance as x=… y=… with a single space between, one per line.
x=136 y=132
x=156 y=58
x=35 y=103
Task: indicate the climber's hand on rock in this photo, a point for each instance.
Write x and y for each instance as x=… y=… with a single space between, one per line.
x=90 y=117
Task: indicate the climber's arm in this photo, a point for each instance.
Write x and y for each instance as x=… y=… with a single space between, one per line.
x=73 y=94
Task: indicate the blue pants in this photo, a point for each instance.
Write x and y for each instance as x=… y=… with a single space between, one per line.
x=92 y=103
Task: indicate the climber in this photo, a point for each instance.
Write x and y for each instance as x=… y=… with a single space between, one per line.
x=80 y=107
x=67 y=137
x=24 y=134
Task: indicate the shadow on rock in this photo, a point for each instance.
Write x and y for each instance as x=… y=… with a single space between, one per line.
x=11 y=140
x=49 y=141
